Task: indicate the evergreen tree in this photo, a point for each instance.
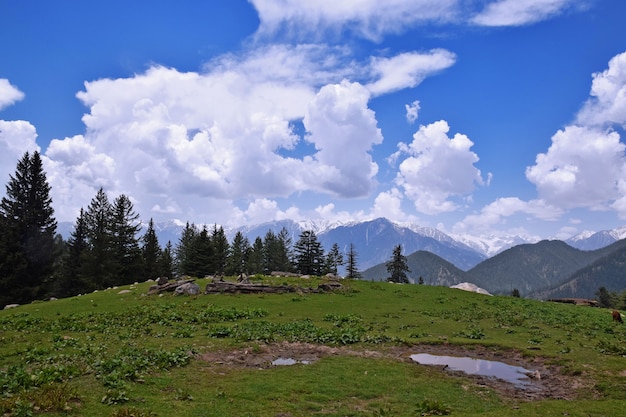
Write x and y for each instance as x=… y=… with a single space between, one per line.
x=72 y=282
x=126 y=250
x=351 y=268
x=151 y=253
x=201 y=255
x=309 y=254
x=283 y=251
x=270 y=252
x=334 y=259
x=238 y=256
x=166 y=262
x=397 y=267
x=28 y=229
x=256 y=257
x=605 y=298
x=98 y=265
x=182 y=252
x=220 y=247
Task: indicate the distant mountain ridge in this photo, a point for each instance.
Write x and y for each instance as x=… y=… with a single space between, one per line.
x=537 y=268
x=486 y=246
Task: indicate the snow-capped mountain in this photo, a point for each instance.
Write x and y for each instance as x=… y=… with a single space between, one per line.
x=590 y=241
x=374 y=239
x=491 y=245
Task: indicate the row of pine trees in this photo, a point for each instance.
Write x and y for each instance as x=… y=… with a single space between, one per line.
x=105 y=249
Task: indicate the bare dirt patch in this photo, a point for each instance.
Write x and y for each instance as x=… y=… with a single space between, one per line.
x=547 y=381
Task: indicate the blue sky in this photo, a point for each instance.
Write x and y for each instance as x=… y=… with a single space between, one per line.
x=473 y=116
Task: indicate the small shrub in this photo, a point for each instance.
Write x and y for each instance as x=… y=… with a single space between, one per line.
x=132 y=412
x=183 y=395
x=114 y=397
x=432 y=408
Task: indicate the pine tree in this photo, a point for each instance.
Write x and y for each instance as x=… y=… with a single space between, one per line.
x=351 y=268
x=125 y=227
x=77 y=246
x=200 y=262
x=238 y=256
x=220 y=246
x=309 y=254
x=255 y=260
x=270 y=252
x=151 y=253
x=28 y=229
x=283 y=251
x=182 y=252
x=98 y=266
x=397 y=267
x=334 y=259
x=166 y=262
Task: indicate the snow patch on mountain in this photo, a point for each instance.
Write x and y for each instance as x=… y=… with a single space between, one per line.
x=491 y=245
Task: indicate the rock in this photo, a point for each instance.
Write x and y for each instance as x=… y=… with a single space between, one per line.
x=243 y=279
x=468 y=286
x=188 y=288
x=330 y=286
x=8 y=306
x=162 y=281
x=125 y=292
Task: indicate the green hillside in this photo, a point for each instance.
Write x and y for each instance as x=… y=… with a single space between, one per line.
x=433 y=269
x=121 y=352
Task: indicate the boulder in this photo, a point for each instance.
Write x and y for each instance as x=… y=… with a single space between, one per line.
x=468 y=286
x=188 y=288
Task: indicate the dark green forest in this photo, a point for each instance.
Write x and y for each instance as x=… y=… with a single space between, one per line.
x=106 y=247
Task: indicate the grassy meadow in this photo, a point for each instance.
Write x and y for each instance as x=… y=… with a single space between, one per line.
x=129 y=354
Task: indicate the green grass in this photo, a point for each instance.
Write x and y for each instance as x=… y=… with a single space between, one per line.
x=110 y=354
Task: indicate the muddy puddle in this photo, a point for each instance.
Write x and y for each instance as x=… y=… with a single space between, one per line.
x=516 y=375
x=537 y=380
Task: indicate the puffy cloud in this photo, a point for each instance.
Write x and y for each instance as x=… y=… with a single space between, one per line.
x=343 y=130
x=495 y=214
x=173 y=140
x=438 y=167
x=581 y=168
x=585 y=165
x=608 y=92
x=407 y=70
x=412 y=111
x=367 y=18
x=8 y=94
x=16 y=137
x=519 y=12
x=389 y=204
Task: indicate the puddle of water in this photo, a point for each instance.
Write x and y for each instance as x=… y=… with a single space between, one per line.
x=513 y=374
x=288 y=361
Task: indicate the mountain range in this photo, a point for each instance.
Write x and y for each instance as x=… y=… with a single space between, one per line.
x=537 y=268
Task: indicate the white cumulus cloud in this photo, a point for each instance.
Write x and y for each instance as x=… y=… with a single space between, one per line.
x=343 y=130
x=607 y=104
x=9 y=94
x=580 y=169
x=177 y=140
x=585 y=165
x=438 y=167
x=16 y=137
